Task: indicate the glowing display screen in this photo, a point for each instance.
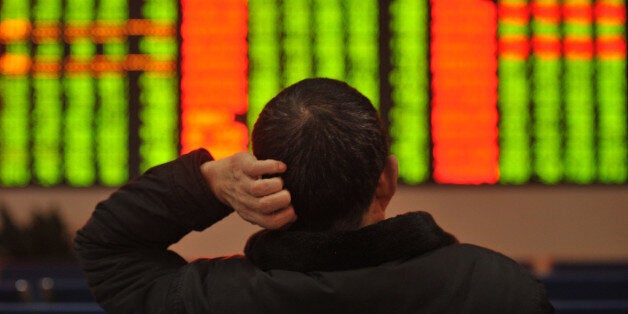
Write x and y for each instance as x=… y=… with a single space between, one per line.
x=213 y=82
x=409 y=78
x=562 y=91
x=292 y=40
x=464 y=84
x=89 y=90
x=94 y=92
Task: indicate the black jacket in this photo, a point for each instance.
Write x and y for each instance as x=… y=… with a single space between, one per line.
x=406 y=264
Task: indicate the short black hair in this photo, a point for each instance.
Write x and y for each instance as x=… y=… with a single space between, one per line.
x=332 y=140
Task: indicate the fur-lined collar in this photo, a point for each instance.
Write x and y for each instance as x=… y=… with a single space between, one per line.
x=398 y=238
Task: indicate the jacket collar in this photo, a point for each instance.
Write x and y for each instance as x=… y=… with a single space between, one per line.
x=398 y=238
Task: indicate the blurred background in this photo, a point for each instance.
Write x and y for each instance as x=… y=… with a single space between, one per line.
x=509 y=119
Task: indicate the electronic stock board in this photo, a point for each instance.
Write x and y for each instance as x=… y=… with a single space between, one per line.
x=93 y=92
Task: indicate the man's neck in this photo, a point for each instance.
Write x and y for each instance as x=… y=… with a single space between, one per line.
x=374 y=215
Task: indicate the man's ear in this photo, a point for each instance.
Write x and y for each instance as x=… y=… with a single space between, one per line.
x=387 y=183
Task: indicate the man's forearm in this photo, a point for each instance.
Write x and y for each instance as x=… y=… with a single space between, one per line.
x=122 y=248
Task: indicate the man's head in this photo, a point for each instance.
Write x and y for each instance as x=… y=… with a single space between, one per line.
x=333 y=142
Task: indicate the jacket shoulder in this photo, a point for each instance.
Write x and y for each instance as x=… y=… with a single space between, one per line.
x=460 y=278
x=486 y=279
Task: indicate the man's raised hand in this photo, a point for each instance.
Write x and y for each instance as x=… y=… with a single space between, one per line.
x=237 y=182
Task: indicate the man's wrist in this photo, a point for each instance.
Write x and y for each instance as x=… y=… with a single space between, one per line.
x=210 y=173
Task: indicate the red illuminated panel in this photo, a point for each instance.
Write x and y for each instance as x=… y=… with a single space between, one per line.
x=213 y=76
x=546 y=46
x=464 y=84
x=515 y=47
x=580 y=11
x=611 y=47
x=548 y=12
x=610 y=11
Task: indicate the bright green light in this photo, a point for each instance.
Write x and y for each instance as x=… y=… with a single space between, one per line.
x=546 y=95
x=112 y=114
x=547 y=132
x=79 y=10
x=159 y=48
x=79 y=130
x=579 y=106
x=297 y=41
x=161 y=10
x=514 y=108
x=54 y=50
x=14 y=108
x=112 y=129
x=514 y=141
x=363 y=47
x=82 y=49
x=80 y=103
x=113 y=10
x=14 y=131
x=47 y=109
x=612 y=117
x=264 y=56
x=15 y=9
x=409 y=129
x=47 y=10
x=46 y=119
x=159 y=116
x=579 y=121
x=329 y=45
x=115 y=50
x=158 y=93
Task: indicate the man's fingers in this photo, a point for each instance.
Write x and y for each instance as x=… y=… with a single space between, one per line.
x=263 y=187
x=261 y=167
x=263 y=205
x=281 y=218
x=273 y=202
x=273 y=220
x=261 y=201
